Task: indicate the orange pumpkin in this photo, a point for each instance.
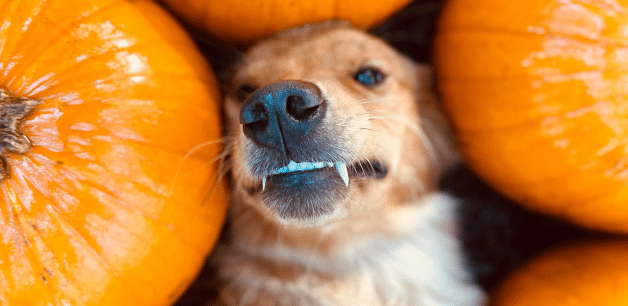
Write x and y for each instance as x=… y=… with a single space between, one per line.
x=101 y=101
x=537 y=90
x=585 y=274
x=245 y=21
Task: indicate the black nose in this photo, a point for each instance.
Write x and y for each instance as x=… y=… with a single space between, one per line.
x=283 y=114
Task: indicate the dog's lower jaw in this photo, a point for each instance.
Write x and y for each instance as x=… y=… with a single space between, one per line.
x=276 y=206
x=408 y=256
x=305 y=198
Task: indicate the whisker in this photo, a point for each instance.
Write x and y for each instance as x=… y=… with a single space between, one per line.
x=378 y=118
x=371 y=100
x=223 y=167
x=415 y=128
x=220 y=157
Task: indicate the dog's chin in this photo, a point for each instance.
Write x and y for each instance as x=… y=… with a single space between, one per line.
x=305 y=198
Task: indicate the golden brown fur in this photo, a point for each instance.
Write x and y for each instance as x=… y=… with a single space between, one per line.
x=387 y=239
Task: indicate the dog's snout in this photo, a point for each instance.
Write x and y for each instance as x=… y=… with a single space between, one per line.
x=282 y=114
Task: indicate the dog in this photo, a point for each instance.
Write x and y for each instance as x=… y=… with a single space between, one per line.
x=336 y=145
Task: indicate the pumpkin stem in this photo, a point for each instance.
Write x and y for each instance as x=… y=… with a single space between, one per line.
x=13 y=110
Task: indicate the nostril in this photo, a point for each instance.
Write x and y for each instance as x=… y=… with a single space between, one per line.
x=299 y=110
x=256 y=118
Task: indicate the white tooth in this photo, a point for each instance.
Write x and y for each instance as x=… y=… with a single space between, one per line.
x=344 y=174
x=292 y=166
x=264 y=184
x=308 y=166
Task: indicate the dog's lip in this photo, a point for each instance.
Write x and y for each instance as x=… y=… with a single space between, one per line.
x=365 y=168
x=304 y=167
x=306 y=191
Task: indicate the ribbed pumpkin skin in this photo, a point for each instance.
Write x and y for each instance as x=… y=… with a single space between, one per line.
x=585 y=274
x=106 y=208
x=244 y=21
x=537 y=91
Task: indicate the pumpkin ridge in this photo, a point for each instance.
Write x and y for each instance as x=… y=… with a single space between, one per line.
x=167 y=149
x=557 y=177
x=58 y=77
x=117 y=204
x=31 y=257
x=538 y=76
x=519 y=125
x=96 y=57
x=71 y=24
x=40 y=253
x=130 y=208
x=22 y=239
x=84 y=180
x=72 y=233
x=4 y=11
x=74 y=236
x=134 y=142
x=112 y=78
x=531 y=121
x=118 y=201
x=11 y=24
x=59 y=185
x=604 y=41
x=35 y=87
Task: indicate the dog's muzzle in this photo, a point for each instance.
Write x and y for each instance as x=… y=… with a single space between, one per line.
x=285 y=120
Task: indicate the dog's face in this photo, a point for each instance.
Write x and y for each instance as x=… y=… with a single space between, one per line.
x=326 y=123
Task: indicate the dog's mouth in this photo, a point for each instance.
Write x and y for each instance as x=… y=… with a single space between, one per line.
x=295 y=174
x=299 y=175
x=310 y=190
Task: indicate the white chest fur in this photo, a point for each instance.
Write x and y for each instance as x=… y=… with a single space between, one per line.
x=423 y=266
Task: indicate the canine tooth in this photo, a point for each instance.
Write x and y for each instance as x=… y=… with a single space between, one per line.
x=344 y=174
x=264 y=184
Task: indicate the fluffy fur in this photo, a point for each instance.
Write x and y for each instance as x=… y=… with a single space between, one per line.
x=389 y=237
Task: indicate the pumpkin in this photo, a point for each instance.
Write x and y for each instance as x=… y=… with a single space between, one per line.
x=537 y=92
x=587 y=273
x=244 y=21
x=107 y=196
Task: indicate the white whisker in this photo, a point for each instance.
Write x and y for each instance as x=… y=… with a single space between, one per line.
x=371 y=101
x=220 y=157
x=415 y=128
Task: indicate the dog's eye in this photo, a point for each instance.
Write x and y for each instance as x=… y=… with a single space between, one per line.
x=242 y=92
x=369 y=76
